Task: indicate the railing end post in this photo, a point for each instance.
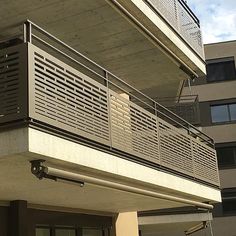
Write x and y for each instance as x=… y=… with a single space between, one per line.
x=27 y=31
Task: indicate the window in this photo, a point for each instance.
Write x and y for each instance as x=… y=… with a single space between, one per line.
x=92 y=232
x=65 y=232
x=226 y=156
x=43 y=232
x=60 y=231
x=229 y=201
x=232 y=110
x=223 y=113
x=221 y=69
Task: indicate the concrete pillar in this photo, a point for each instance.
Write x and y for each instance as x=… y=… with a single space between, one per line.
x=18 y=220
x=126 y=224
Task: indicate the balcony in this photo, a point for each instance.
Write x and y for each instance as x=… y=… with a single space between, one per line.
x=172 y=26
x=181 y=18
x=132 y=39
x=48 y=85
x=185 y=106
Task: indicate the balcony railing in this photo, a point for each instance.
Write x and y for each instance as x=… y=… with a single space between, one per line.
x=186 y=107
x=49 y=84
x=180 y=17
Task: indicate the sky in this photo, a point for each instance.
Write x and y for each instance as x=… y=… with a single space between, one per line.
x=217 y=17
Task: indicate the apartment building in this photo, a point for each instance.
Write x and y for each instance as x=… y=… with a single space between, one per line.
x=217 y=103
x=84 y=145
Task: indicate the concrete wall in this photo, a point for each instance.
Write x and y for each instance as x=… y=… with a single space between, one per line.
x=219 y=229
x=218 y=50
x=227 y=178
x=221 y=133
x=213 y=91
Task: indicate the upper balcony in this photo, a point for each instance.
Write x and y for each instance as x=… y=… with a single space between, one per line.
x=46 y=84
x=185 y=106
x=171 y=24
x=152 y=45
x=181 y=18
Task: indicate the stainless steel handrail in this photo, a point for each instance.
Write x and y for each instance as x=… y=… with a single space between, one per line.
x=191 y=13
x=28 y=35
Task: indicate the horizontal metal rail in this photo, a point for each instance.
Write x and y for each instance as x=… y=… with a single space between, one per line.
x=191 y=13
x=107 y=75
x=182 y=98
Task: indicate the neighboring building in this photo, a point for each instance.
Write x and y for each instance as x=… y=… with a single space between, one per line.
x=100 y=146
x=217 y=102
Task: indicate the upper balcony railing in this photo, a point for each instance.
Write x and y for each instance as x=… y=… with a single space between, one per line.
x=180 y=17
x=186 y=106
x=49 y=84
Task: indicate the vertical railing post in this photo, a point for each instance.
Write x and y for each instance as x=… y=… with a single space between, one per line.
x=193 y=160
x=24 y=32
x=158 y=132
x=27 y=32
x=192 y=152
x=155 y=109
x=108 y=107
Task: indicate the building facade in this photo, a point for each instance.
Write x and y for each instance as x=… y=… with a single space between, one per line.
x=84 y=145
x=217 y=102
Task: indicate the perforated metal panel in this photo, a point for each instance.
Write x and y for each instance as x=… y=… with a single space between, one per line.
x=168 y=10
x=65 y=98
x=175 y=148
x=190 y=30
x=205 y=162
x=188 y=111
x=13 y=81
x=133 y=129
x=181 y=20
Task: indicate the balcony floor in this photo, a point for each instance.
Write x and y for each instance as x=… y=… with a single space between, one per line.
x=94 y=28
x=22 y=145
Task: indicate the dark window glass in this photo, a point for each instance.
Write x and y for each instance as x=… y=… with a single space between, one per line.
x=65 y=232
x=232 y=110
x=42 y=232
x=220 y=114
x=220 y=71
x=226 y=156
x=92 y=232
x=229 y=200
x=229 y=205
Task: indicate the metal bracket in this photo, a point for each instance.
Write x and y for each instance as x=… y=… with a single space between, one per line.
x=40 y=172
x=38 y=169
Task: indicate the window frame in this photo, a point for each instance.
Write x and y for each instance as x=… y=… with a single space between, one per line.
x=65 y=228
x=78 y=230
x=44 y=227
x=228 y=113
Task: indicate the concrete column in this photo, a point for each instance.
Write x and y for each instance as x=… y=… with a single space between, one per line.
x=18 y=220
x=126 y=224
